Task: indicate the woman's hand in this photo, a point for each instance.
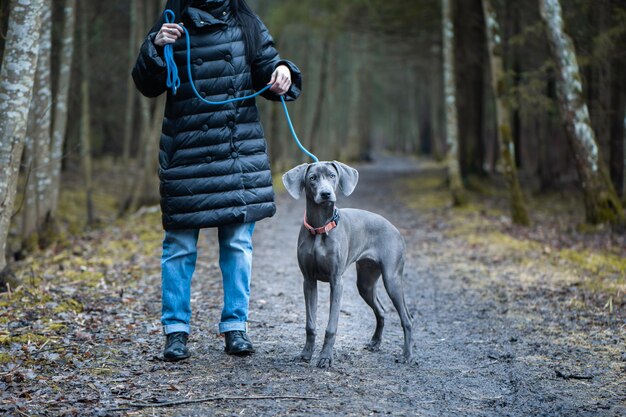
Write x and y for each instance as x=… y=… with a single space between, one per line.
x=168 y=34
x=281 y=80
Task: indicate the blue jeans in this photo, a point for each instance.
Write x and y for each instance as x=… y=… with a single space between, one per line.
x=178 y=263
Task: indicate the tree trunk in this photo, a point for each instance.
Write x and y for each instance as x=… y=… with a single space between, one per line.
x=85 y=119
x=144 y=185
x=38 y=138
x=437 y=103
x=411 y=114
x=617 y=126
x=17 y=77
x=150 y=193
x=131 y=97
x=60 y=107
x=332 y=94
x=452 y=127
x=365 y=112
x=519 y=215
x=601 y=201
x=624 y=158
x=28 y=207
x=469 y=54
x=150 y=124
x=319 y=102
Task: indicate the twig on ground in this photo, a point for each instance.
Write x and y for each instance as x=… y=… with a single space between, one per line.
x=44 y=345
x=572 y=376
x=219 y=398
x=12 y=370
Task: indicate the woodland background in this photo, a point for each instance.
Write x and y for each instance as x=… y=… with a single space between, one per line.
x=375 y=81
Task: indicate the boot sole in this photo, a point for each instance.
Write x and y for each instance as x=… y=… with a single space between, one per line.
x=176 y=359
x=245 y=352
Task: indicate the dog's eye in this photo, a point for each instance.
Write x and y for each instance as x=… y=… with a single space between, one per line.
x=332 y=176
x=313 y=178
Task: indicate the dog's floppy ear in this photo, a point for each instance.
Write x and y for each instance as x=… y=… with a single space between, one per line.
x=348 y=177
x=294 y=180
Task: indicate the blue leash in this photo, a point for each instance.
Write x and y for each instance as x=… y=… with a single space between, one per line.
x=173 y=82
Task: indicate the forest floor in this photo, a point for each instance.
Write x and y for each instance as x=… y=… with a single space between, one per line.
x=507 y=321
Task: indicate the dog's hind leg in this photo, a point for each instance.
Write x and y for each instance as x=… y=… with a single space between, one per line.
x=367 y=273
x=392 y=278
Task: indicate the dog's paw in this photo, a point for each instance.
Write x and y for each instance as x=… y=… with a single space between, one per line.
x=307 y=353
x=324 y=363
x=304 y=357
x=408 y=360
x=373 y=346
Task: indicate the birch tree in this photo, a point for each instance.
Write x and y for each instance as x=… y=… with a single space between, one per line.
x=17 y=77
x=519 y=215
x=60 y=106
x=452 y=126
x=601 y=201
x=85 y=118
x=38 y=137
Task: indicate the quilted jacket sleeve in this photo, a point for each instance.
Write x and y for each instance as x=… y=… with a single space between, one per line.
x=266 y=61
x=150 y=71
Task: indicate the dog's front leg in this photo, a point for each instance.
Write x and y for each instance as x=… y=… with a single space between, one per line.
x=326 y=355
x=310 y=300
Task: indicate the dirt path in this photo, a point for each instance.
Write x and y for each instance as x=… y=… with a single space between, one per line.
x=487 y=341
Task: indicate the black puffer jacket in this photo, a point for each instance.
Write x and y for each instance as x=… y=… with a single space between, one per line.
x=213 y=163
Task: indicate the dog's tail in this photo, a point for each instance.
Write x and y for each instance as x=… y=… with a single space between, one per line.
x=406 y=308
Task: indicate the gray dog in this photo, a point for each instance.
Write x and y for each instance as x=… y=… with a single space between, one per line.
x=330 y=240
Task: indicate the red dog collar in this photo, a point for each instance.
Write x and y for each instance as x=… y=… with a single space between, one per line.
x=324 y=229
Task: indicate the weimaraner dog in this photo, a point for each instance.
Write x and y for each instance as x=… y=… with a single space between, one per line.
x=331 y=240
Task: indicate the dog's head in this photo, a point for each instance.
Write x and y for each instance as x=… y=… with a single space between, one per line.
x=320 y=180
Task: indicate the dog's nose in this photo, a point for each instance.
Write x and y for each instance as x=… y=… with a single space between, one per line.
x=325 y=195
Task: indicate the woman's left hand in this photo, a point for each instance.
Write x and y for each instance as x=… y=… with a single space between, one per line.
x=281 y=80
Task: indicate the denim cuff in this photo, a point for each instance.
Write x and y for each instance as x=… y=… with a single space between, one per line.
x=230 y=326
x=177 y=327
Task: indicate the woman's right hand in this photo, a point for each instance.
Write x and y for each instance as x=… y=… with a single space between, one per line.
x=168 y=34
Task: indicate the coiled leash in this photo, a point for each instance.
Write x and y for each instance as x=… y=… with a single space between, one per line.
x=173 y=82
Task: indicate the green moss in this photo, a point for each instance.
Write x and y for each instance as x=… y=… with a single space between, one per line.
x=6 y=358
x=31 y=243
x=11 y=299
x=87 y=277
x=73 y=212
x=502 y=242
x=23 y=338
x=57 y=327
x=103 y=371
x=599 y=264
x=69 y=305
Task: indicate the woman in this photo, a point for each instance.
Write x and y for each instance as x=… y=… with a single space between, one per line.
x=214 y=169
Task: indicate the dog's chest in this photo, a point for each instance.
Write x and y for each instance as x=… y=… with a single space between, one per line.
x=317 y=255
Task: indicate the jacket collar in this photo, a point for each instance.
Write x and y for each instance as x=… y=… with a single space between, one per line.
x=201 y=18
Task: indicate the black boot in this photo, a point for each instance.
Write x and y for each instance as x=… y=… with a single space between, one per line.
x=176 y=347
x=237 y=343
